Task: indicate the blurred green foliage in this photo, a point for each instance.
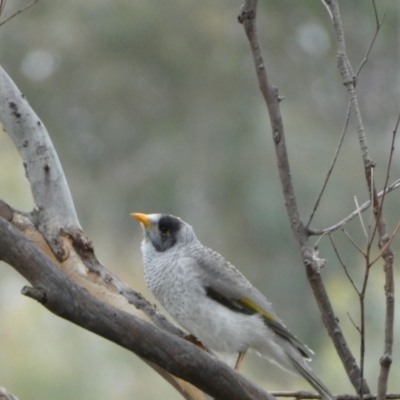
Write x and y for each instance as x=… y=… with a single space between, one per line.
x=153 y=106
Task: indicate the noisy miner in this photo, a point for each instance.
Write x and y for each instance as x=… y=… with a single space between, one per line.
x=213 y=301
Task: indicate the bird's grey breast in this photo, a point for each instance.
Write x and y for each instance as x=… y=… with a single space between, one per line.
x=173 y=279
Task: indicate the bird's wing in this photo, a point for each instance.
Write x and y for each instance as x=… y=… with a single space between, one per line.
x=229 y=287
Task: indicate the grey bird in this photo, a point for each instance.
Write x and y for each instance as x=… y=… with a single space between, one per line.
x=213 y=301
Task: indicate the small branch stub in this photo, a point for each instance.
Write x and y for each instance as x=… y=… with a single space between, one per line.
x=245 y=14
x=34 y=293
x=385 y=361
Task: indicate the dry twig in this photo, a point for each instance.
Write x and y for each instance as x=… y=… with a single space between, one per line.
x=2 y=5
x=302 y=394
x=395 y=185
x=328 y=175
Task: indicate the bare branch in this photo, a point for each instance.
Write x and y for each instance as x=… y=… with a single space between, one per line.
x=343 y=265
x=380 y=226
x=370 y=237
x=387 y=254
x=2 y=6
x=354 y=243
x=84 y=269
x=348 y=79
x=378 y=27
x=311 y=395
x=247 y=17
x=387 y=244
x=361 y=299
x=6 y=395
x=55 y=208
x=69 y=301
x=355 y=213
x=376 y=14
x=60 y=233
x=357 y=328
x=328 y=175
x=360 y=217
x=391 y=152
x=17 y=12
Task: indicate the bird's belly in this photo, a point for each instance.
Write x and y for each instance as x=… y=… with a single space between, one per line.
x=221 y=329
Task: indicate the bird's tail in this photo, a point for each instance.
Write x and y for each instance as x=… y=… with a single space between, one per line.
x=308 y=374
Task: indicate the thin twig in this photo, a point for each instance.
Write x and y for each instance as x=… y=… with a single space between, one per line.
x=360 y=217
x=370 y=237
x=375 y=13
x=346 y=271
x=303 y=394
x=18 y=12
x=354 y=243
x=316 y=244
x=395 y=185
x=353 y=323
x=346 y=124
x=392 y=147
x=386 y=245
x=378 y=27
x=2 y=6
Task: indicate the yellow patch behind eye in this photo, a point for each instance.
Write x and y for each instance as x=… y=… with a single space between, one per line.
x=249 y=303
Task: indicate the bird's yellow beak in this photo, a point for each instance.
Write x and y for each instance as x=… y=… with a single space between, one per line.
x=143 y=218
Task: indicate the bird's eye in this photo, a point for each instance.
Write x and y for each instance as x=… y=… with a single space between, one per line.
x=164 y=230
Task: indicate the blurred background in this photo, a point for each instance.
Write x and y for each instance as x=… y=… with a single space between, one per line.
x=153 y=106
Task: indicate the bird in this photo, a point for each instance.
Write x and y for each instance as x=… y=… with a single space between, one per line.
x=214 y=301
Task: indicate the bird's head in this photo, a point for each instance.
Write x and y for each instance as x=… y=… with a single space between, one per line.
x=165 y=231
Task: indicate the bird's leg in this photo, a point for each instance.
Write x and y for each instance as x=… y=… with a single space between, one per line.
x=240 y=359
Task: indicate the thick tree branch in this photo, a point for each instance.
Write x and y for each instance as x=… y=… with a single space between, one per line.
x=82 y=266
x=68 y=300
x=6 y=395
x=54 y=226
x=55 y=207
x=248 y=18
x=87 y=272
